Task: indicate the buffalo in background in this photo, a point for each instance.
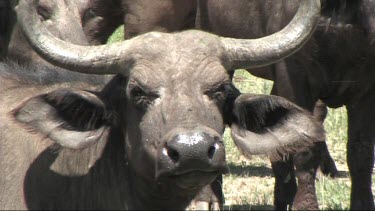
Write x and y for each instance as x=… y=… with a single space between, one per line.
x=64 y=19
x=151 y=137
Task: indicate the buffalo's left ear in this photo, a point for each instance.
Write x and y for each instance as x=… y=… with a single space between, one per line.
x=271 y=125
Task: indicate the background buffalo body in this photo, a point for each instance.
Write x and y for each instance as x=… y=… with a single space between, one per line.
x=335 y=66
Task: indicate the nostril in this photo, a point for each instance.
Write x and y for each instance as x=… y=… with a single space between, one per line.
x=173 y=154
x=211 y=151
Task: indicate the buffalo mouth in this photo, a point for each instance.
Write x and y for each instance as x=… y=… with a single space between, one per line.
x=194 y=180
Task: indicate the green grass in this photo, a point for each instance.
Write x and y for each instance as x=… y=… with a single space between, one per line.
x=333 y=194
x=118 y=35
x=249 y=185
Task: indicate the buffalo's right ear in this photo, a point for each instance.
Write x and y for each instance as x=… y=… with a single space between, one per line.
x=73 y=118
x=271 y=125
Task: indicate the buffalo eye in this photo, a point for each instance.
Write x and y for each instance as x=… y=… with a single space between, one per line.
x=219 y=96
x=44 y=12
x=140 y=97
x=219 y=93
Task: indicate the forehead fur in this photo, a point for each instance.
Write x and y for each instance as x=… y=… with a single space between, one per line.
x=178 y=58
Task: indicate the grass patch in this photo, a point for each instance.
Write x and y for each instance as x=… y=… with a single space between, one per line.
x=117 y=36
x=333 y=194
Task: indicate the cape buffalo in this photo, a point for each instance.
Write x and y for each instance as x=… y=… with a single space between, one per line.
x=237 y=19
x=334 y=66
x=151 y=138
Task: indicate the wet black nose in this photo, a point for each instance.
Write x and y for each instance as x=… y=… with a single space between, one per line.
x=192 y=151
x=196 y=146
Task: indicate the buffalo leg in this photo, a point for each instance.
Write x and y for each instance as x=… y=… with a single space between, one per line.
x=292 y=83
x=287 y=195
x=306 y=164
x=285 y=184
x=360 y=153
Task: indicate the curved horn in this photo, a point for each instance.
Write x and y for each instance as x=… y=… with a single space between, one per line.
x=248 y=53
x=105 y=59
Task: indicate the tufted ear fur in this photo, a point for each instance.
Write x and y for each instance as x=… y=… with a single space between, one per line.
x=271 y=125
x=73 y=118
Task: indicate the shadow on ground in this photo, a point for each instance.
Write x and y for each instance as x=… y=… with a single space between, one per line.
x=257 y=171
x=248 y=207
x=342 y=174
x=263 y=171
